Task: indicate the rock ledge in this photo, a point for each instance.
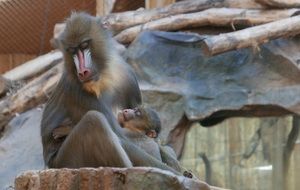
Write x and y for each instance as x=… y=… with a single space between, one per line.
x=105 y=178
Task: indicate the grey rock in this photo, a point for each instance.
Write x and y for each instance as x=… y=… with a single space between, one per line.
x=211 y=89
x=21 y=147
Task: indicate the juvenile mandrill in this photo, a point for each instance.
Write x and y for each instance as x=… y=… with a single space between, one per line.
x=143 y=127
x=140 y=120
x=95 y=81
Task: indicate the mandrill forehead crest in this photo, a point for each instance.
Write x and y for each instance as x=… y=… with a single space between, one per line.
x=81 y=27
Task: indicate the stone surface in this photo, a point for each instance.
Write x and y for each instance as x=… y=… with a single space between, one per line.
x=211 y=89
x=21 y=147
x=105 y=179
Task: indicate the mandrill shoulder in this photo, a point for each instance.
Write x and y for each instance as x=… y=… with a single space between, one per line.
x=126 y=88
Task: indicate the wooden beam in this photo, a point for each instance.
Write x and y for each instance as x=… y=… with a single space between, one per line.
x=280 y=3
x=9 y=61
x=35 y=66
x=150 y=4
x=104 y=7
x=29 y=96
x=251 y=36
x=210 y=17
x=4 y=85
x=121 y=21
x=244 y=4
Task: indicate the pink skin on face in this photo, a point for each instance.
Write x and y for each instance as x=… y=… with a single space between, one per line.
x=83 y=73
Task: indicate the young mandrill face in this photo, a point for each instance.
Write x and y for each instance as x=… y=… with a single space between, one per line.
x=137 y=120
x=131 y=119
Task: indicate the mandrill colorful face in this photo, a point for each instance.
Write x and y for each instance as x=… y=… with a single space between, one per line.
x=82 y=59
x=84 y=43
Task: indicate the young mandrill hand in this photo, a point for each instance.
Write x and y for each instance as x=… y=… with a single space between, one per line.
x=63 y=129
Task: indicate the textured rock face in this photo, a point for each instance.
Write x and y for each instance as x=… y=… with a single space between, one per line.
x=182 y=84
x=21 y=147
x=105 y=179
x=211 y=89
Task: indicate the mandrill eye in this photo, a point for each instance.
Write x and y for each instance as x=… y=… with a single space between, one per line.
x=71 y=50
x=84 y=45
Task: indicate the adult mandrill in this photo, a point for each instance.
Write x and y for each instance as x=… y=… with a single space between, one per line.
x=95 y=78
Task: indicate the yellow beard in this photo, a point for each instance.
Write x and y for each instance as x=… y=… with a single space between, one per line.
x=109 y=79
x=97 y=87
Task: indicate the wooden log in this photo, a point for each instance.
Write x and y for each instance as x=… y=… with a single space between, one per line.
x=211 y=17
x=34 y=67
x=121 y=21
x=126 y=5
x=150 y=4
x=103 y=7
x=280 y=3
x=176 y=138
x=7 y=86
x=289 y=148
x=251 y=36
x=244 y=4
x=29 y=96
x=4 y=85
x=58 y=29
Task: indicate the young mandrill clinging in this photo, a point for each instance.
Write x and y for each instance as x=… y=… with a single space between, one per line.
x=143 y=125
x=141 y=120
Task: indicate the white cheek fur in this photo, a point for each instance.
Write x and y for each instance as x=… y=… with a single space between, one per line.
x=76 y=61
x=87 y=59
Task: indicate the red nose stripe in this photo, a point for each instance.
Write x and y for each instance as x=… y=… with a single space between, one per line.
x=81 y=60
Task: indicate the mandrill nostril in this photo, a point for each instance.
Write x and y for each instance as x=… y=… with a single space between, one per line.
x=85 y=74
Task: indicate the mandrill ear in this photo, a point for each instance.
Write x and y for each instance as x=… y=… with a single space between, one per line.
x=55 y=43
x=56 y=40
x=151 y=134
